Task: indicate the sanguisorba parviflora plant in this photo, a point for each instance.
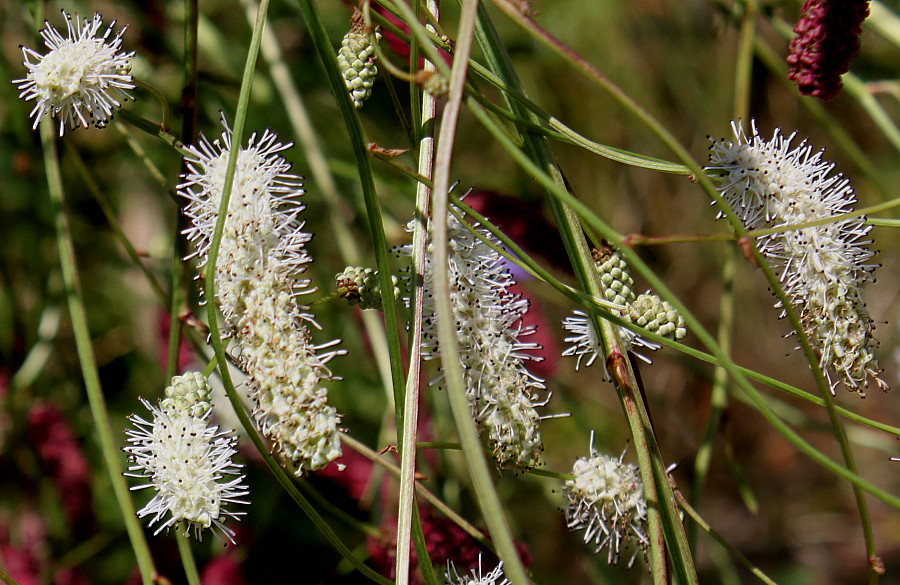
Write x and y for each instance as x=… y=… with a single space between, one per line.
x=259 y=281
x=822 y=268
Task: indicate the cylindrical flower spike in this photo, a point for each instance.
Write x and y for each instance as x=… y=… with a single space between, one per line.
x=614 y=275
x=769 y=184
x=606 y=500
x=187 y=462
x=83 y=79
x=502 y=393
x=826 y=41
x=657 y=316
x=262 y=258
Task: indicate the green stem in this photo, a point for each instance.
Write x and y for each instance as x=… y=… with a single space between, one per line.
x=167 y=113
x=424 y=126
x=479 y=472
x=84 y=347
x=187 y=558
x=703 y=525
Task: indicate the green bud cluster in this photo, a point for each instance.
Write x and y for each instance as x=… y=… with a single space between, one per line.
x=362 y=287
x=614 y=276
x=356 y=60
x=656 y=315
x=646 y=310
x=190 y=393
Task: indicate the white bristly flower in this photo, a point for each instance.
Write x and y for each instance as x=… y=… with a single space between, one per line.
x=586 y=343
x=258 y=283
x=606 y=500
x=769 y=184
x=494 y=577
x=188 y=462
x=502 y=392
x=83 y=79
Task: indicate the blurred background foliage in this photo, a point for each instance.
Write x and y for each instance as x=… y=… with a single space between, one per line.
x=794 y=520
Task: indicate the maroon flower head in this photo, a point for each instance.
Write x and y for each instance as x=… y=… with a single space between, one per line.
x=826 y=41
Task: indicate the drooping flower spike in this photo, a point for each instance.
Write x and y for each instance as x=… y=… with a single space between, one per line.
x=771 y=184
x=259 y=281
x=503 y=394
x=187 y=462
x=606 y=500
x=83 y=79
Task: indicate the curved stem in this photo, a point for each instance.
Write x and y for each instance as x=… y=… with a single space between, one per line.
x=479 y=472
x=84 y=347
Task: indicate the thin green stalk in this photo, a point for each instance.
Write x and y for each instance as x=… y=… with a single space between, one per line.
x=215 y=336
x=703 y=525
x=320 y=39
x=324 y=504
x=408 y=443
x=187 y=558
x=719 y=394
x=113 y=221
x=744 y=65
x=287 y=483
x=84 y=347
x=340 y=213
x=350 y=115
x=421 y=490
x=6 y=577
x=487 y=497
x=164 y=103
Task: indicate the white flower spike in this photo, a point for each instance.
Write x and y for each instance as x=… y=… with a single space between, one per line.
x=503 y=394
x=606 y=500
x=83 y=79
x=186 y=461
x=259 y=278
x=769 y=184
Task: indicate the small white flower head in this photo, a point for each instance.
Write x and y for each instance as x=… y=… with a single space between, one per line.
x=494 y=577
x=259 y=279
x=769 y=184
x=83 y=79
x=187 y=462
x=502 y=393
x=606 y=500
